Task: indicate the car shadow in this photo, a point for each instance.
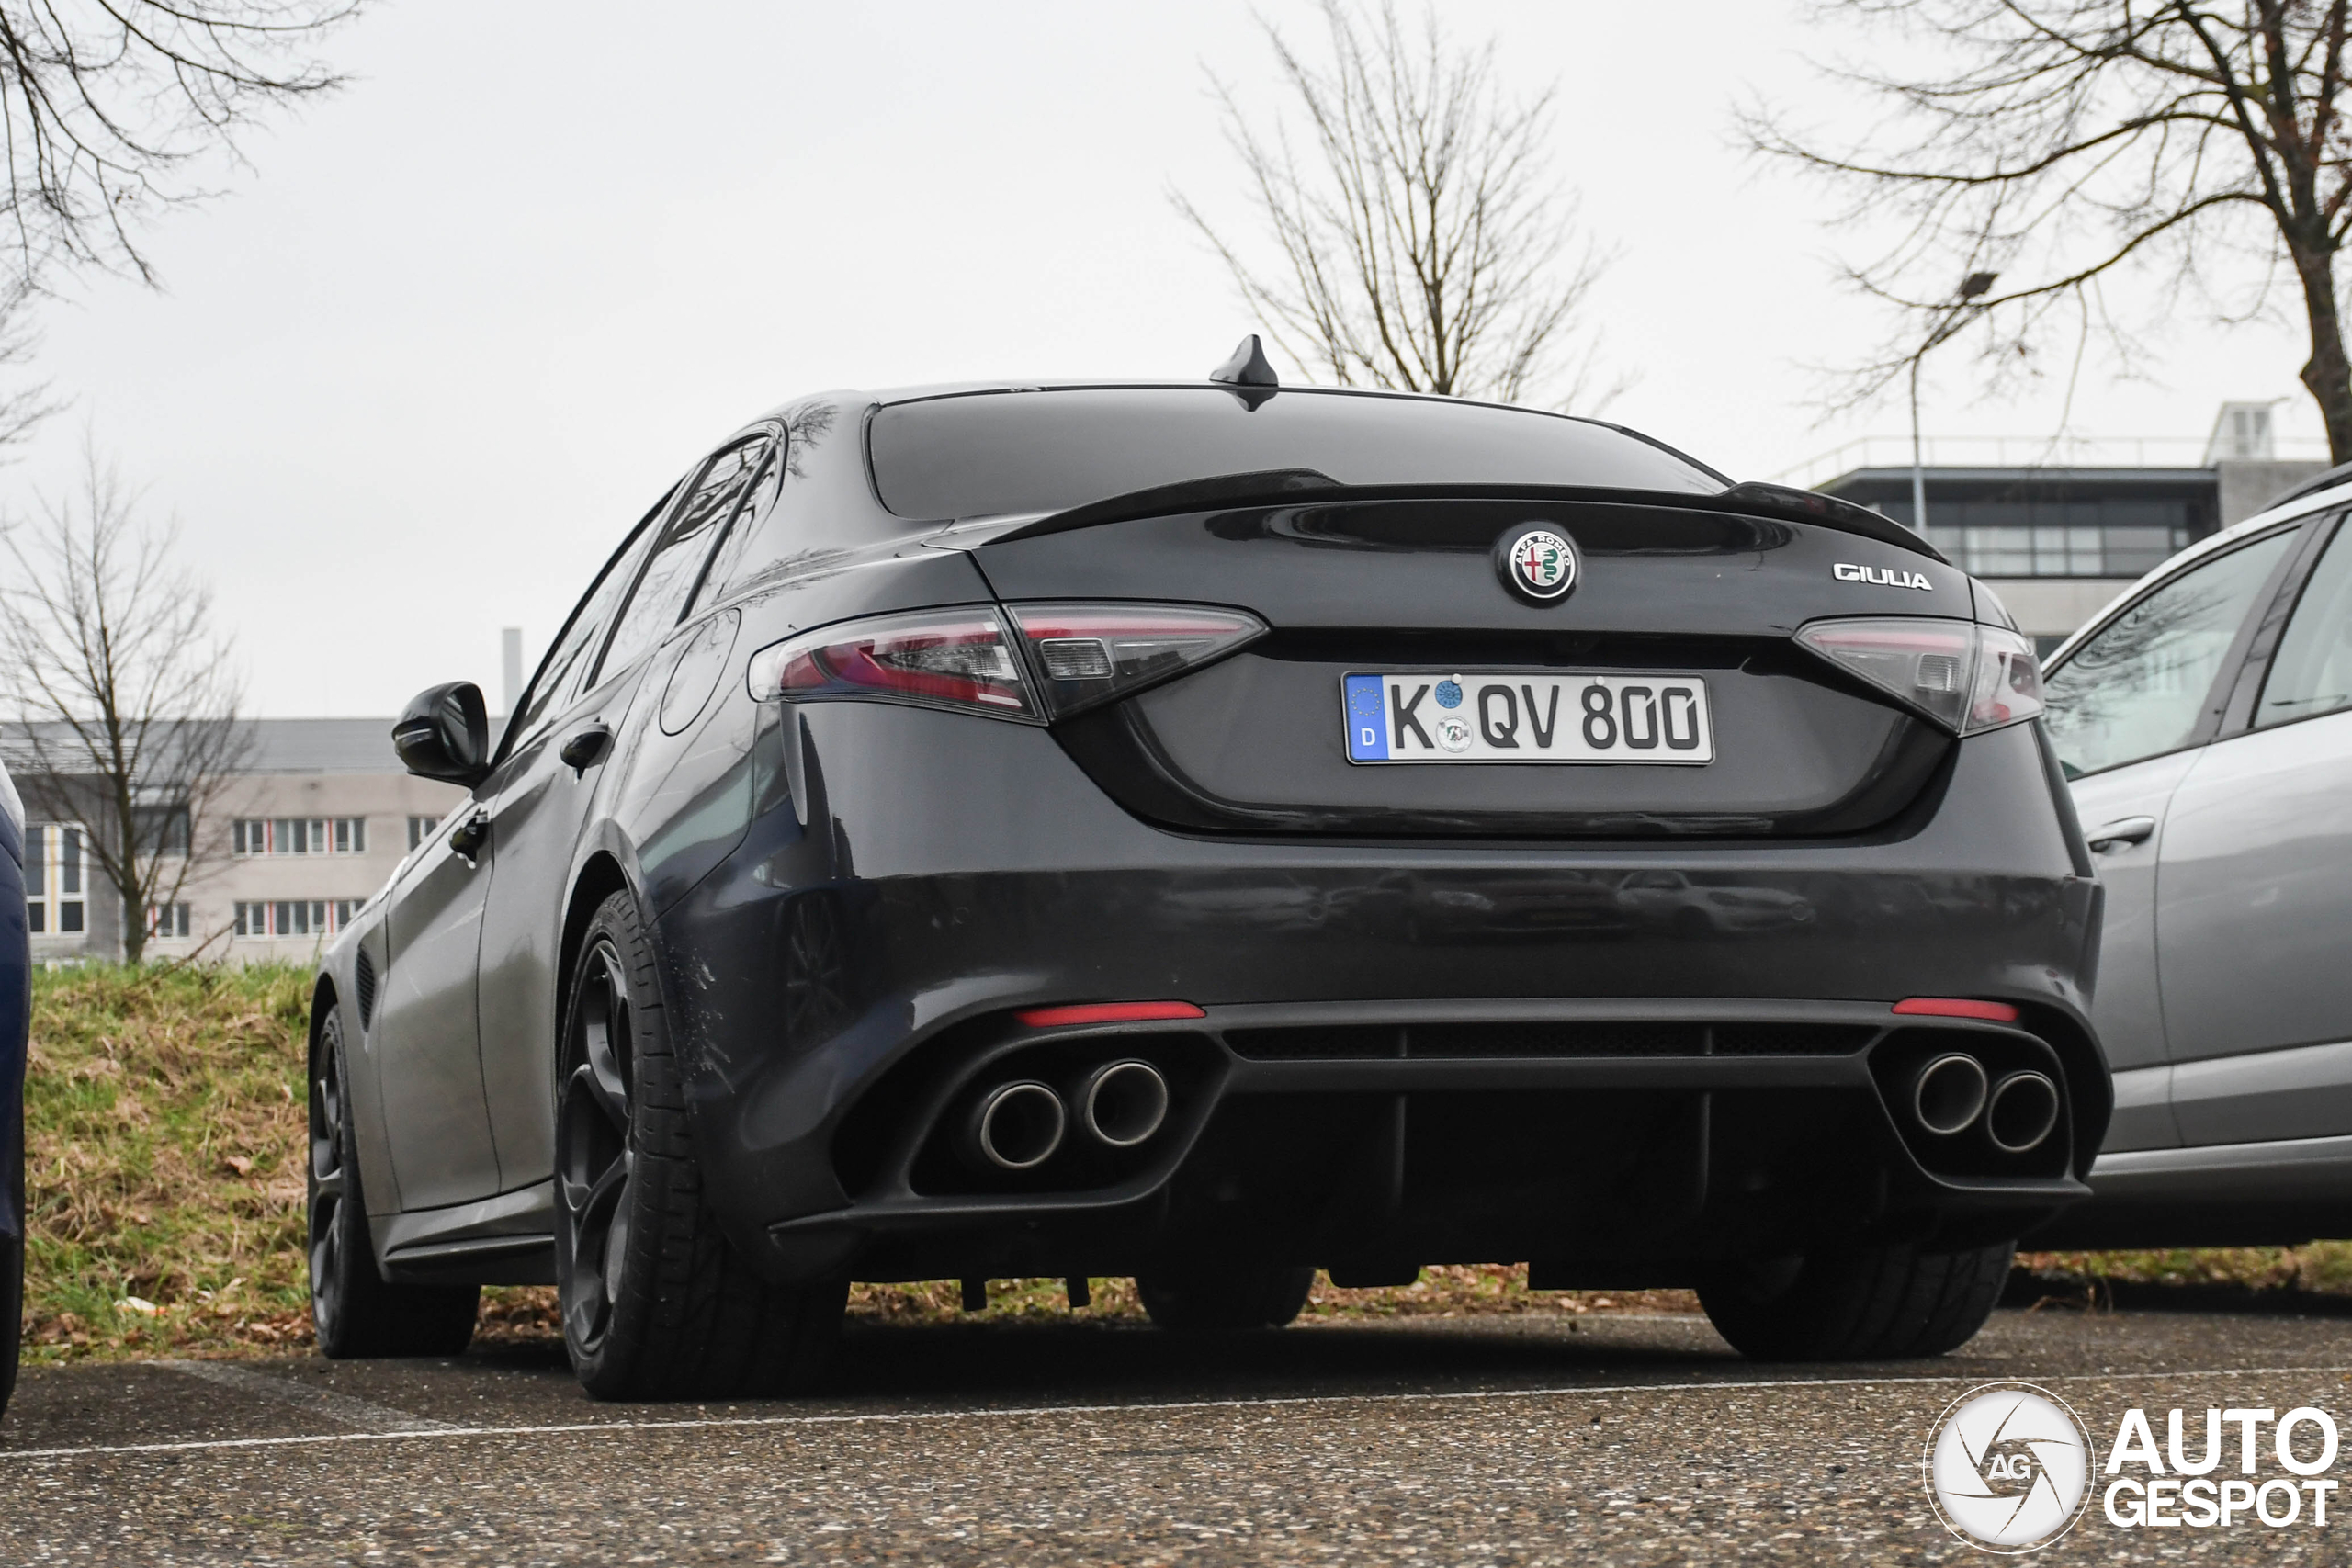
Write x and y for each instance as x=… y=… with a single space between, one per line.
x=1080 y=1361
x=1030 y=1362
x=1041 y=1361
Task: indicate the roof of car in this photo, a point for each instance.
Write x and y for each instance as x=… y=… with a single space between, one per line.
x=884 y=396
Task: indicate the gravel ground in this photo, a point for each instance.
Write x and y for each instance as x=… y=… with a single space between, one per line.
x=1533 y=1439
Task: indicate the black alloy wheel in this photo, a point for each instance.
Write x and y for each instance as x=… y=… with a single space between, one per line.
x=656 y=1303
x=593 y=1154
x=357 y=1313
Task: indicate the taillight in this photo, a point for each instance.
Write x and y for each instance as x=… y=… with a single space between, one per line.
x=1968 y=678
x=1086 y=654
x=964 y=658
x=959 y=659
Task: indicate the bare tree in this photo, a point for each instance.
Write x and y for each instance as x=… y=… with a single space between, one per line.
x=105 y=106
x=2063 y=143
x=1424 y=243
x=107 y=102
x=126 y=699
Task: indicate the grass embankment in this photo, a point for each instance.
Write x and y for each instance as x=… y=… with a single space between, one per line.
x=165 y=1120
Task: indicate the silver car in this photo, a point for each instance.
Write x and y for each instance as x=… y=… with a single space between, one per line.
x=2205 y=721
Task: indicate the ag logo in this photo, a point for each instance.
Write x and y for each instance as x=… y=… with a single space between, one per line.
x=2007 y=1467
x=1537 y=563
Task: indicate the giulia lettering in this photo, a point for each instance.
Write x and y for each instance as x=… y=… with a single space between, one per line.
x=1886 y=576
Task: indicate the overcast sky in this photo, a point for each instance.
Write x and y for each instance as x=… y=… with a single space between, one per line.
x=413 y=375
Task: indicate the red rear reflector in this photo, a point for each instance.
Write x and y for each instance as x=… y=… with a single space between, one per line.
x=1957 y=1006
x=1107 y=1012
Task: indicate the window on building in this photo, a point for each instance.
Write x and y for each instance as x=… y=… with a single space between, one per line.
x=294 y=916
x=53 y=892
x=299 y=836
x=161 y=830
x=2073 y=552
x=421 y=828
x=167 y=921
x=36 y=862
x=2028 y=536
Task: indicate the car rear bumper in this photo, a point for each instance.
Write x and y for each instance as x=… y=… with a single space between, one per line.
x=849 y=977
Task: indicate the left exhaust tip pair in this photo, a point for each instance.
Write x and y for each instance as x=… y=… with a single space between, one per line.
x=1953 y=1092
x=1020 y=1125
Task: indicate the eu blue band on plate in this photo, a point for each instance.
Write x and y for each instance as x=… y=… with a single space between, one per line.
x=1367 y=718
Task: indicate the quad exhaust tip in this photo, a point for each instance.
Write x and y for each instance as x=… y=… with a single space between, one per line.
x=1950 y=1093
x=2022 y=1111
x=1122 y=1104
x=1017 y=1126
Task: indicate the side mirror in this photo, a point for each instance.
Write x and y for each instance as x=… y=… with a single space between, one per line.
x=445 y=734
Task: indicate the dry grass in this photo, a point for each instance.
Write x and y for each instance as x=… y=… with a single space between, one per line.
x=165 y=1120
x=2323 y=1268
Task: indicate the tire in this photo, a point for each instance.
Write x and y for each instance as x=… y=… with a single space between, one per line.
x=12 y=1282
x=1875 y=1303
x=656 y=1304
x=1208 y=1301
x=12 y=1315
x=357 y=1313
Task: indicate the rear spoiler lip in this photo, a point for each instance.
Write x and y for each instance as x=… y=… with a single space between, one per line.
x=1778 y=503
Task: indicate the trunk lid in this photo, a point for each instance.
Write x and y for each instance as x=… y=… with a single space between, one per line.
x=1256 y=743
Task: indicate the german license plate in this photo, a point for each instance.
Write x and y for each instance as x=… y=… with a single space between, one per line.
x=1513 y=717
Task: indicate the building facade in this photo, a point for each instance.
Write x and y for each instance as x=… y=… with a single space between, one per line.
x=317 y=820
x=2059 y=540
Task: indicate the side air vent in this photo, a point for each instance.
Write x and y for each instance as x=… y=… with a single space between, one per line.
x=366 y=980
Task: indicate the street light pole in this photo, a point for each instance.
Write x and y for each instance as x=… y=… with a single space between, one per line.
x=1919 y=473
x=1971 y=286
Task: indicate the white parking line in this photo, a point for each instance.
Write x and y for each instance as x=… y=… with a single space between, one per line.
x=885 y=1418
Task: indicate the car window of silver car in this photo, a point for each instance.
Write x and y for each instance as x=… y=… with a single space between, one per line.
x=677 y=562
x=2312 y=672
x=2139 y=686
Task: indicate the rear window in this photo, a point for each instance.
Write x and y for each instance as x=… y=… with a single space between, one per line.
x=995 y=452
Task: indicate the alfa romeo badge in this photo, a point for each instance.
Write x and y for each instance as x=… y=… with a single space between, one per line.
x=1537 y=563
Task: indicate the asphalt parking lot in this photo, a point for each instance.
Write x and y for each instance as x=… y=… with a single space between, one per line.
x=1528 y=1440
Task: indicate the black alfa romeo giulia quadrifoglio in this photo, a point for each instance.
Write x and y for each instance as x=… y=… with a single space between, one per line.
x=1209 y=832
